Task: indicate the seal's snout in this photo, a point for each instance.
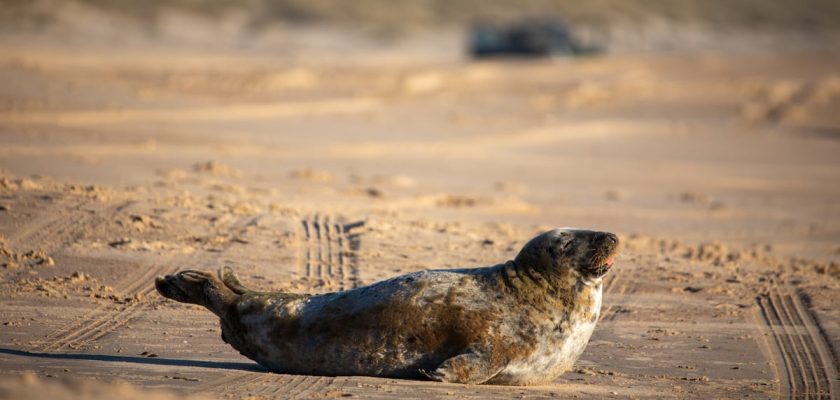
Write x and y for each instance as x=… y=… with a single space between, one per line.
x=607 y=241
x=609 y=244
x=604 y=245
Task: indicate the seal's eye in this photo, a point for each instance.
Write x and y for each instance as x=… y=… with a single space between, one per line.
x=568 y=245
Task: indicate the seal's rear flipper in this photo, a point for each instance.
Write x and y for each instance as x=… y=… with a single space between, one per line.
x=197 y=287
x=231 y=281
x=471 y=367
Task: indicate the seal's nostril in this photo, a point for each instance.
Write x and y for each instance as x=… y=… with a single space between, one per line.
x=612 y=238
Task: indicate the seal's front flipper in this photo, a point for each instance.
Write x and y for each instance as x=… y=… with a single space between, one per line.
x=472 y=367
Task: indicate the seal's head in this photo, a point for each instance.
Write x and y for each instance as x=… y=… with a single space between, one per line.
x=196 y=287
x=589 y=254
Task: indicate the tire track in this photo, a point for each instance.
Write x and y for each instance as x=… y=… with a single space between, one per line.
x=104 y=318
x=300 y=241
x=329 y=251
x=610 y=283
x=271 y=385
x=803 y=359
x=328 y=254
x=240 y=380
x=294 y=386
x=52 y=231
x=828 y=351
x=107 y=318
x=307 y=237
x=333 y=267
x=286 y=384
x=319 y=235
x=617 y=286
x=55 y=230
x=49 y=225
x=283 y=384
x=310 y=386
x=352 y=242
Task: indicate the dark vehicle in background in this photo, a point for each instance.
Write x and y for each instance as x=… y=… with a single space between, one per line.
x=535 y=37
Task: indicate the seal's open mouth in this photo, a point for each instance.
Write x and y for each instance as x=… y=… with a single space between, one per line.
x=602 y=269
x=602 y=263
x=610 y=249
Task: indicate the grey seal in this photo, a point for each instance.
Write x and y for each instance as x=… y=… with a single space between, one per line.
x=522 y=322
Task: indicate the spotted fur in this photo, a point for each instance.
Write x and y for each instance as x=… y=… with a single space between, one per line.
x=522 y=322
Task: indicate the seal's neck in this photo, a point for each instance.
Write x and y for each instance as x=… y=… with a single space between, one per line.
x=566 y=289
x=530 y=285
x=218 y=298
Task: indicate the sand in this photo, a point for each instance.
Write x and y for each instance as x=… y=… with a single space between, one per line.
x=326 y=171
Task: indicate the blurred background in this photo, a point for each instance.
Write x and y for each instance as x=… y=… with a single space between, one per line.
x=611 y=113
x=631 y=25
x=139 y=137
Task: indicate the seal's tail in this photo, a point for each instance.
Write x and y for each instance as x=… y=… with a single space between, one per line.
x=231 y=281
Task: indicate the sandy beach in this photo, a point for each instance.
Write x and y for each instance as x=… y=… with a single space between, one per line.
x=317 y=162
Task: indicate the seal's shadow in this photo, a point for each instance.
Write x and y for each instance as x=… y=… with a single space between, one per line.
x=250 y=367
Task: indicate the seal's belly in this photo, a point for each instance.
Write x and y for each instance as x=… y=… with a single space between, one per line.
x=557 y=348
x=550 y=359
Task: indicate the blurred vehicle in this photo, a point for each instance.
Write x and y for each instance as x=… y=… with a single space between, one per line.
x=534 y=37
